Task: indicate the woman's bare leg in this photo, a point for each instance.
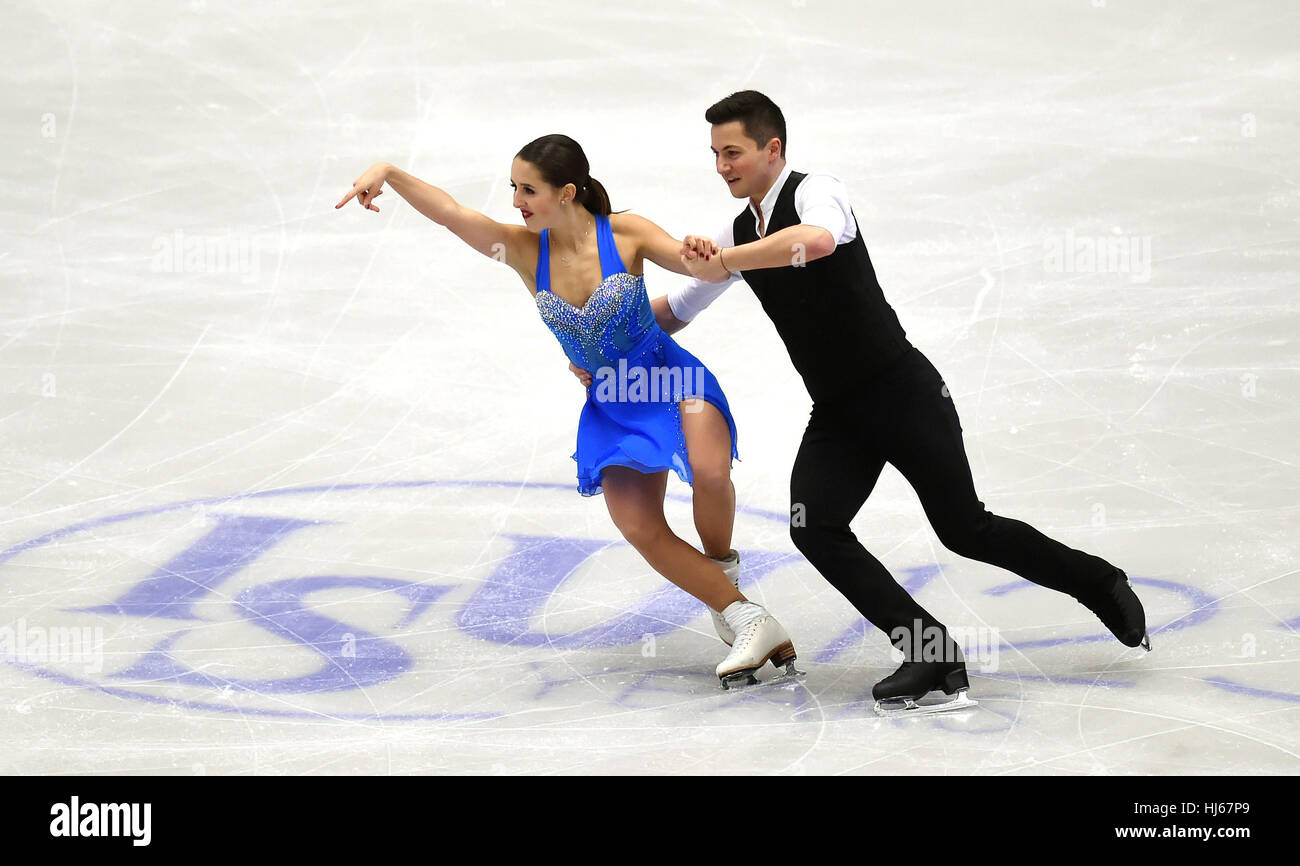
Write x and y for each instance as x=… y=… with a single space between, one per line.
x=636 y=504
x=708 y=442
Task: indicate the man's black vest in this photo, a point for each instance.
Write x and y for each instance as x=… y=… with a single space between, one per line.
x=830 y=312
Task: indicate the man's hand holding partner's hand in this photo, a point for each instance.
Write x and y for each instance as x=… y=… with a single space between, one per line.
x=700 y=256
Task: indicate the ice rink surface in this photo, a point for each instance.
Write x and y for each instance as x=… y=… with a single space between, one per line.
x=298 y=479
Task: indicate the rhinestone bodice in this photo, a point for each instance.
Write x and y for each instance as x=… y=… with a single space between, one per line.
x=615 y=322
x=616 y=319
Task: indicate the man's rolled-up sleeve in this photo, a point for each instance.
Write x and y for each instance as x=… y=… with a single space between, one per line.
x=823 y=201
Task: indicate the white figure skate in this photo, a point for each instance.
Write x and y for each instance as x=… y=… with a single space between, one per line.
x=759 y=639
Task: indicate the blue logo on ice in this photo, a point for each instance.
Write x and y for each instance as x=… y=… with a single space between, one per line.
x=188 y=617
x=228 y=623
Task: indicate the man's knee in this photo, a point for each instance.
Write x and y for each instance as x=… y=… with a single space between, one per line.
x=966 y=537
x=811 y=539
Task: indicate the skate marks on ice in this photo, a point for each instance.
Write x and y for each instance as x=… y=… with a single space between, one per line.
x=212 y=605
x=207 y=605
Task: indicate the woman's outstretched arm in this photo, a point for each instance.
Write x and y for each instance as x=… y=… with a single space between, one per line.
x=499 y=241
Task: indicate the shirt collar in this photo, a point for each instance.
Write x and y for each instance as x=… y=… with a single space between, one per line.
x=769 y=200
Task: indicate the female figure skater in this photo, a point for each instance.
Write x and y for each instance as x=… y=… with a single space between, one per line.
x=654 y=406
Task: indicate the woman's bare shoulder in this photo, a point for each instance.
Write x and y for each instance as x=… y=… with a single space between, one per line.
x=628 y=221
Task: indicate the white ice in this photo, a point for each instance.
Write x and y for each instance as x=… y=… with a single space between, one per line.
x=1142 y=409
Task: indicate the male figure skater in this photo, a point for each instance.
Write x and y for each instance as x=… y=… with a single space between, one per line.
x=876 y=399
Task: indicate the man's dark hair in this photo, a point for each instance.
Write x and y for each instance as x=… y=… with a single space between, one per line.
x=761 y=119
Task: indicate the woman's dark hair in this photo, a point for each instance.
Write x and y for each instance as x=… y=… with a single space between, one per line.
x=560 y=160
x=758 y=115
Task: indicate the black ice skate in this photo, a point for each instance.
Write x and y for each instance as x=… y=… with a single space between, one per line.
x=900 y=693
x=1120 y=610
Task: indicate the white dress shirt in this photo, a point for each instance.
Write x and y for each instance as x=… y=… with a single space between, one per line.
x=820 y=200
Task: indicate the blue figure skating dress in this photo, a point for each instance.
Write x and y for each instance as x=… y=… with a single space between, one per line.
x=639 y=373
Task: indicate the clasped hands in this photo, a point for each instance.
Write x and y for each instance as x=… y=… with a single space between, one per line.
x=702 y=259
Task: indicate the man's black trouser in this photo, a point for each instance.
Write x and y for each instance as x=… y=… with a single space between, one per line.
x=905 y=417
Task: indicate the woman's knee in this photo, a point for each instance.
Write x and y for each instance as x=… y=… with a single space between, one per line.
x=708 y=440
x=635 y=503
x=711 y=475
x=642 y=531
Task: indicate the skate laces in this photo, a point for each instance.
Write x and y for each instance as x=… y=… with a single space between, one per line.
x=743 y=617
